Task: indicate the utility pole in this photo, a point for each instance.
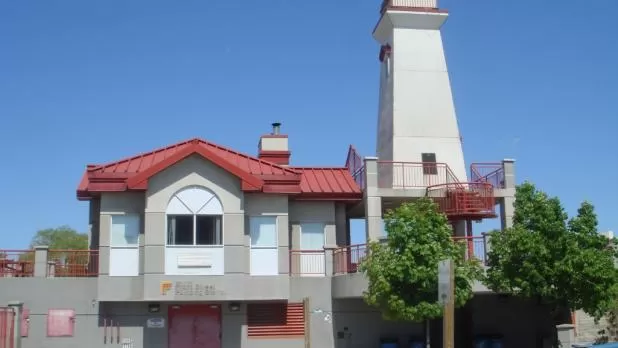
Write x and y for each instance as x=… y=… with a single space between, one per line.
x=446 y=295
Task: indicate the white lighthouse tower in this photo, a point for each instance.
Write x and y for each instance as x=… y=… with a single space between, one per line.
x=416 y=121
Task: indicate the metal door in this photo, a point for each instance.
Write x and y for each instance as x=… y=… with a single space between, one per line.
x=194 y=326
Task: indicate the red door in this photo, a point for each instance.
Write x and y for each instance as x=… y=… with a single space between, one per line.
x=194 y=326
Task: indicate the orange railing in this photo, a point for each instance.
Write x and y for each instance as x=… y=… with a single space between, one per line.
x=16 y=263
x=414 y=174
x=491 y=173
x=346 y=259
x=7 y=322
x=73 y=263
x=473 y=200
x=307 y=262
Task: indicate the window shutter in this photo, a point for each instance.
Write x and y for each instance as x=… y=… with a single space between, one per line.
x=275 y=320
x=60 y=322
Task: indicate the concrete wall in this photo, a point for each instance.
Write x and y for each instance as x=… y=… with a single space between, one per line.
x=419 y=85
x=357 y=325
x=586 y=330
x=41 y=294
x=309 y=211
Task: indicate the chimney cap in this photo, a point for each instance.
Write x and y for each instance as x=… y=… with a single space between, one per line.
x=276 y=127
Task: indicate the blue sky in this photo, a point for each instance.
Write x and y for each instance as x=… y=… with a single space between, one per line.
x=94 y=81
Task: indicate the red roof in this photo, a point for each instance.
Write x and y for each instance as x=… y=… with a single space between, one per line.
x=256 y=175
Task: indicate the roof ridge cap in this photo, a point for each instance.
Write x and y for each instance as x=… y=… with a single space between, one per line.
x=141 y=154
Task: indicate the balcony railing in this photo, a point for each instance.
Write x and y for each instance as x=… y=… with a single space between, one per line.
x=476 y=247
x=408 y=4
x=491 y=173
x=307 y=263
x=16 y=263
x=473 y=200
x=356 y=166
x=73 y=263
x=408 y=175
x=347 y=259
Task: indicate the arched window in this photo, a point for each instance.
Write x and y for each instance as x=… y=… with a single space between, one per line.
x=194 y=217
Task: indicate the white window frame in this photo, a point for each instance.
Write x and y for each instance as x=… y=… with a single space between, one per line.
x=274 y=247
x=276 y=217
x=194 y=232
x=126 y=250
x=194 y=215
x=300 y=236
x=111 y=227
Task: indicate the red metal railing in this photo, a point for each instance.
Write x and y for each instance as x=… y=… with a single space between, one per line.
x=307 y=262
x=408 y=4
x=414 y=174
x=73 y=263
x=346 y=259
x=7 y=322
x=16 y=263
x=464 y=200
x=491 y=173
x=476 y=247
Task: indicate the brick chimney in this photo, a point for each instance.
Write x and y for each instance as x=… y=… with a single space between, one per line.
x=273 y=147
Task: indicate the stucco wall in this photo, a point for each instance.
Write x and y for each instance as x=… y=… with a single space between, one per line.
x=308 y=211
x=270 y=205
x=194 y=171
x=41 y=294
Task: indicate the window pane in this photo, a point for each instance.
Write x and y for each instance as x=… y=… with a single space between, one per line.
x=429 y=166
x=180 y=229
x=263 y=231
x=208 y=230
x=125 y=230
x=312 y=236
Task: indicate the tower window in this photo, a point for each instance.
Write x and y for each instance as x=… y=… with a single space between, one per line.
x=429 y=164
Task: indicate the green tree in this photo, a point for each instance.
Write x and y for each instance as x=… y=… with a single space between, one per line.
x=565 y=264
x=59 y=238
x=62 y=237
x=403 y=271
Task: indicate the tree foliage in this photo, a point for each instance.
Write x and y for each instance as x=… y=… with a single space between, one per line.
x=62 y=237
x=403 y=271
x=545 y=256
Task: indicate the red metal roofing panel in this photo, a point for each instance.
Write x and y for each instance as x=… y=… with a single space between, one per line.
x=113 y=175
x=328 y=180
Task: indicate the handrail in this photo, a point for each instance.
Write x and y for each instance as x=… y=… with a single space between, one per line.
x=441 y=173
x=348 y=257
x=469 y=200
x=495 y=176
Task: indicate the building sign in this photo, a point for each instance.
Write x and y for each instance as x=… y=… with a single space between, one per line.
x=165 y=286
x=188 y=288
x=155 y=323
